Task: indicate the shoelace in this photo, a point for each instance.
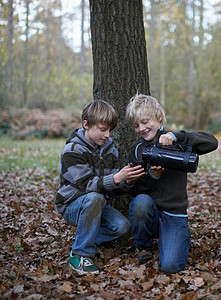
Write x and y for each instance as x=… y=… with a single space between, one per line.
x=85 y=262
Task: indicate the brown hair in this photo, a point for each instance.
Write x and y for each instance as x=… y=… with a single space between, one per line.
x=99 y=112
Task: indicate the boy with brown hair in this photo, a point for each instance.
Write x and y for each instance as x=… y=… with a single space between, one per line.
x=159 y=207
x=89 y=178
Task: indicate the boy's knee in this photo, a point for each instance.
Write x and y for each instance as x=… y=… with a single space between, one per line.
x=126 y=227
x=141 y=205
x=95 y=200
x=171 y=266
x=123 y=227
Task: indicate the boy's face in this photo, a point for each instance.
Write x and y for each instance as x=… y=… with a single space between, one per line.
x=96 y=134
x=147 y=128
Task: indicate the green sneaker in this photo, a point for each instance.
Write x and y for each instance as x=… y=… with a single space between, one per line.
x=82 y=265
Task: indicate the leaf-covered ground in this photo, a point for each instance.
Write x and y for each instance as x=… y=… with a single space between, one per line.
x=35 y=243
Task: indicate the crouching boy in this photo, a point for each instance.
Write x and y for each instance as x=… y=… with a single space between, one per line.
x=159 y=207
x=89 y=178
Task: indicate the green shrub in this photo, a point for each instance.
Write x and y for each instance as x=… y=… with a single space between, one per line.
x=5 y=128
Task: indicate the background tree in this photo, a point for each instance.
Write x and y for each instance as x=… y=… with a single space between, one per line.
x=152 y=44
x=200 y=98
x=191 y=69
x=60 y=41
x=183 y=56
x=10 y=36
x=26 y=54
x=82 y=53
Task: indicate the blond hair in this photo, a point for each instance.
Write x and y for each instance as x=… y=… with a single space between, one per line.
x=99 y=112
x=142 y=106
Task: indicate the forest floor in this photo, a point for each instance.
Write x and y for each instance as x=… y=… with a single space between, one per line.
x=35 y=244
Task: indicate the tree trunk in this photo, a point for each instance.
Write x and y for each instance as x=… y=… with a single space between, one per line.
x=82 y=54
x=60 y=41
x=162 y=66
x=152 y=48
x=199 y=100
x=25 y=79
x=191 y=96
x=119 y=60
x=120 y=65
x=10 y=35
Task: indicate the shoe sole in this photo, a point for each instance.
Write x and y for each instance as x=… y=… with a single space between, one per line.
x=81 y=272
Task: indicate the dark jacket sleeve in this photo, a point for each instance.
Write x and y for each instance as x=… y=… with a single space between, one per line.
x=202 y=142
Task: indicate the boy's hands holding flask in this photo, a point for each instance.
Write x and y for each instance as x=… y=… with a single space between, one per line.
x=129 y=174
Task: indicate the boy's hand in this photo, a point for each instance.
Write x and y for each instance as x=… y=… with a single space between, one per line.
x=129 y=174
x=157 y=171
x=166 y=139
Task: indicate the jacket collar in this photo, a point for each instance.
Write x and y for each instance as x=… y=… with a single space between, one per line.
x=159 y=132
x=79 y=136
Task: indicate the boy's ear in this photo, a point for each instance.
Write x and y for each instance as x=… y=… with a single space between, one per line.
x=161 y=119
x=85 y=126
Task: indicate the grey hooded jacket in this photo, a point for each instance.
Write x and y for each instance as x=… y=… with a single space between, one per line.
x=84 y=168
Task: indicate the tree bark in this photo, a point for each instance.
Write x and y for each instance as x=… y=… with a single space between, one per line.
x=119 y=60
x=119 y=65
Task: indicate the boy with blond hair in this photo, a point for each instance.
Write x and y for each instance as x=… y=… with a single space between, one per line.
x=159 y=207
x=89 y=178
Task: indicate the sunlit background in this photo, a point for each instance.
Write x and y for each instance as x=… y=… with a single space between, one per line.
x=46 y=58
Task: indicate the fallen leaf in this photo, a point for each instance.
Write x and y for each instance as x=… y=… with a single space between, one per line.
x=67 y=287
x=190 y=296
x=147 y=285
x=199 y=281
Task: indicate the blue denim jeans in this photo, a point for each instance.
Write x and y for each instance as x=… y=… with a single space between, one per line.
x=96 y=222
x=173 y=233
